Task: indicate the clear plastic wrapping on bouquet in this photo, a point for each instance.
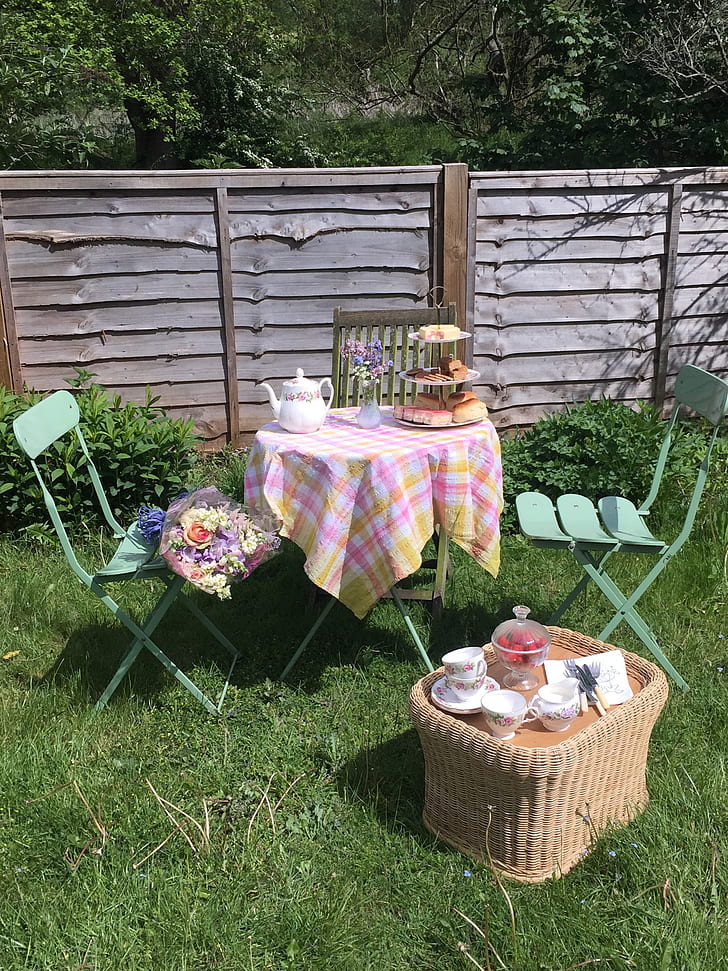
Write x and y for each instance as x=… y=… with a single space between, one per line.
x=214 y=542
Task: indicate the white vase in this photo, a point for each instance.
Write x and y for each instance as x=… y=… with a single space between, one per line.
x=369 y=415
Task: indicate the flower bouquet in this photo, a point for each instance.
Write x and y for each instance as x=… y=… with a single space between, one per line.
x=367 y=363
x=210 y=540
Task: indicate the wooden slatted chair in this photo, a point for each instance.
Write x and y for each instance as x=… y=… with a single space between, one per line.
x=36 y=430
x=594 y=535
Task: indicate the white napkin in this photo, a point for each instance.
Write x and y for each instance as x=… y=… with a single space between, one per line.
x=609 y=670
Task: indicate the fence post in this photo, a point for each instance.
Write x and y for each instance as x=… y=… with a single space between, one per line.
x=664 y=324
x=228 y=315
x=455 y=237
x=9 y=356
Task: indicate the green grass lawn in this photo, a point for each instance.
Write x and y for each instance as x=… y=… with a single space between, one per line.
x=287 y=834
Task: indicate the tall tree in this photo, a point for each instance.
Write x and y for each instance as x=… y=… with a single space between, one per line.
x=155 y=60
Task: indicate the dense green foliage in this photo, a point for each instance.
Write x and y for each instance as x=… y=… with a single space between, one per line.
x=597 y=449
x=141 y=455
x=562 y=84
x=186 y=78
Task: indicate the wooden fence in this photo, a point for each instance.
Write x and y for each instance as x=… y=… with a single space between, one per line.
x=200 y=285
x=585 y=284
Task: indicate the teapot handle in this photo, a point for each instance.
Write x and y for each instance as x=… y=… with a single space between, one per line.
x=331 y=389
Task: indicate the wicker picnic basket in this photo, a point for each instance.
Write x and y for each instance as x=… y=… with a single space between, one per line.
x=533 y=812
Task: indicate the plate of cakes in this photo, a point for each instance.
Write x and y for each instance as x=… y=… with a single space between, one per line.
x=448 y=371
x=435 y=333
x=431 y=411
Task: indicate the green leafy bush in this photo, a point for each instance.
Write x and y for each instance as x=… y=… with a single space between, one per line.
x=142 y=457
x=596 y=449
x=225 y=470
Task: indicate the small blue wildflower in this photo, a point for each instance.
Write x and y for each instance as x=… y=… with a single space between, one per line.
x=719 y=670
x=467 y=873
x=721 y=635
x=583 y=900
x=634 y=845
x=612 y=852
x=150 y=520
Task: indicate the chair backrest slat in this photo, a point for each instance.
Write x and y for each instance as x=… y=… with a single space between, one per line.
x=705 y=393
x=50 y=419
x=392 y=327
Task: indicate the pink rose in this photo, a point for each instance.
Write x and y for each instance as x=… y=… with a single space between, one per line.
x=196 y=535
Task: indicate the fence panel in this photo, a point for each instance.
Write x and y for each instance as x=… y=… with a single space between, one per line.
x=136 y=277
x=594 y=283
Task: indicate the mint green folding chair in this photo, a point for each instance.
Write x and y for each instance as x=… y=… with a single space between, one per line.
x=36 y=430
x=619 y=526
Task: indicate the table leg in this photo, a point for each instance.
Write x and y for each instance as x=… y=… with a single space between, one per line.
x=324 y=614
x=305 y=642
x=411 y=628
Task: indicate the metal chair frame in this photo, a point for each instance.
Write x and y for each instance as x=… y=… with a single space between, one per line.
x=36 y=430
x=594 y=535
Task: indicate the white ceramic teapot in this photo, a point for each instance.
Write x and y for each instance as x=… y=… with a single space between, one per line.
x=301 y=407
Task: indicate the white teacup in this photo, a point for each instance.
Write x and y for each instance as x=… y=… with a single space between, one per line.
x=465 y=662
x=557 y=704
x=465 y=689
x=505 y=711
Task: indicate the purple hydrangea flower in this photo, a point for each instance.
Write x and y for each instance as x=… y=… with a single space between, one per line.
x=150 y=520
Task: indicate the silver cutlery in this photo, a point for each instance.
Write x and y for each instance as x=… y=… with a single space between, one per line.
x=592 y=678
x=573 y=672
x=585 y=681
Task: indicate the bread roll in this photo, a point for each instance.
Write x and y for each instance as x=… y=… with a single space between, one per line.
x=469 y=410
x=431 y=401
x=457 y=397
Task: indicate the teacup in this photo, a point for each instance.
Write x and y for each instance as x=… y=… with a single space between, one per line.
x=465 y=662
x=466 y=689
x=557 y=704
x=505 y=711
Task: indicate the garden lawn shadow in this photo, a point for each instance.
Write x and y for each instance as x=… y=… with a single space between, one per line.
x=389 y=777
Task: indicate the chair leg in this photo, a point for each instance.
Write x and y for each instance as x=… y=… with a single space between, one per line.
x=626 y=610
x=142 y=638
x=581 y=585
x=208 y=624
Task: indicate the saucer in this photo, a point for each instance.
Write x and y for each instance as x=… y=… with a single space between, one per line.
x=444 y=698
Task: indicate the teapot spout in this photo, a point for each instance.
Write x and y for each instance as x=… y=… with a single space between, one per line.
x=274 y=402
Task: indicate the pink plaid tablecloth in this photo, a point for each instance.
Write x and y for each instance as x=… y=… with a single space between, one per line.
x=362 y=503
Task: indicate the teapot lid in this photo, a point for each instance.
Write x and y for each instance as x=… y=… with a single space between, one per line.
x=300 y=381
x=521 y=634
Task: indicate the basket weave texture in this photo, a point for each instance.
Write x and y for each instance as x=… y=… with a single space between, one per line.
x=533 y=812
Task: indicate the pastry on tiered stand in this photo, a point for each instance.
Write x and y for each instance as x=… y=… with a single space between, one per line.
x=456 y=408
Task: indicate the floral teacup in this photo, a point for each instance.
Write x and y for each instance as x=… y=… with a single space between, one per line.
x=505 y=711
x=466 y=662
x=466 y=689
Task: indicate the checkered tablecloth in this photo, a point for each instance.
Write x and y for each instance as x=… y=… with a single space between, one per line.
x=362 y=503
